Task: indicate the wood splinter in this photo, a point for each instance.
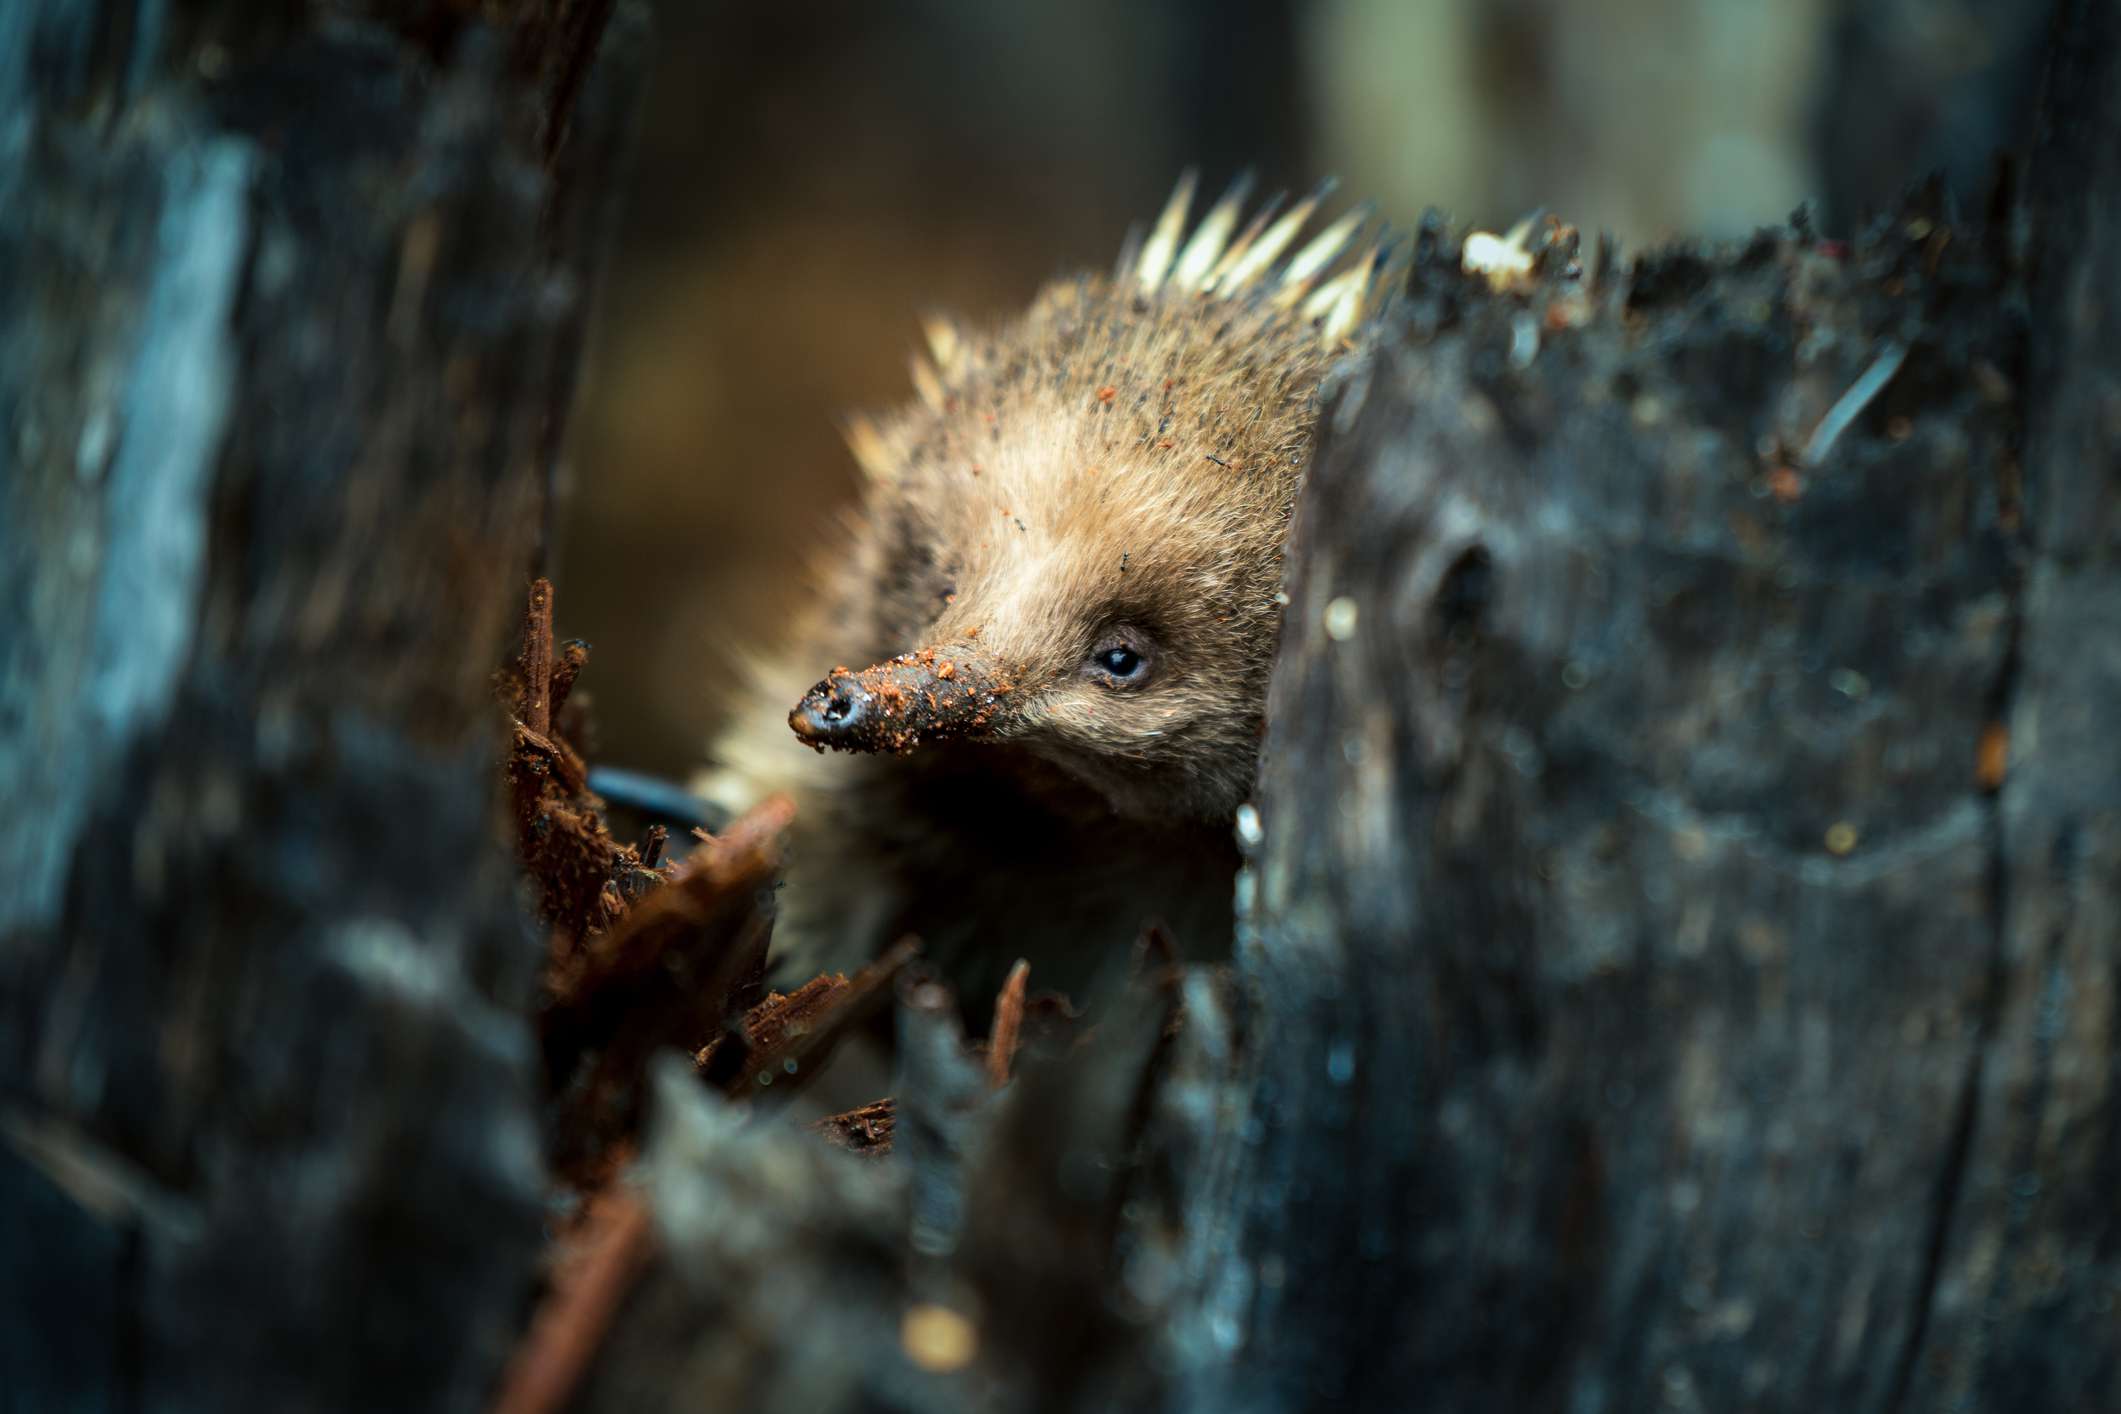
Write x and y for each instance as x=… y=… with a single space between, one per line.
x=1007 y=1033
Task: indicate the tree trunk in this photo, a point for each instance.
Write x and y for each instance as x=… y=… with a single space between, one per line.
x=2028 y=1266
x=1677 y=964
x=288 y=307
x=1684 y=942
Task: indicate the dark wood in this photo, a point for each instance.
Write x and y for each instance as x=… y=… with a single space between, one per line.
x=286 y=301
x=1896 y=93
x=794 y=1275
x=1681 y=958
x=2029 y=1272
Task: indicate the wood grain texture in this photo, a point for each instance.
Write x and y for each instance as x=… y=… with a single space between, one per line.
x=1625 y=937
x=281 y=322
x=2030 y=1272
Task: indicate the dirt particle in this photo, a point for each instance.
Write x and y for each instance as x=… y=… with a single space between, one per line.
x=1993 y=757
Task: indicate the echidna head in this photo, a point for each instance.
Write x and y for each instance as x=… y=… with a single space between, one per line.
x=1116 y=623
x=1077 y=534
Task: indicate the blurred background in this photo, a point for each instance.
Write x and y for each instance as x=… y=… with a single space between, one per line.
x=811 y=179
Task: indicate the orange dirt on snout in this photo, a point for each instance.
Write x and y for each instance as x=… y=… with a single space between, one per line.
x=916 y=697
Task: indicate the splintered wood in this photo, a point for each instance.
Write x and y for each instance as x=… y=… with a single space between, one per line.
x=1003 y=1039
x=866 y=1130
x=786 y=1037
x=654 y=948
x=592 y=1275
x=645 y=953
x=585 y=878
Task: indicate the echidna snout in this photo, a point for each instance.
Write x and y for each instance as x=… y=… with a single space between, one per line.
x=922 y=696
x=835 y=711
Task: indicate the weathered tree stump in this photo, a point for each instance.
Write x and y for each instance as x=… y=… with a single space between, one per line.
x=1680 y=969
x=2028 y=1262
x=288 y=301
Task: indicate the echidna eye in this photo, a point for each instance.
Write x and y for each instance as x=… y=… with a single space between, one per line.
x=1123 y=658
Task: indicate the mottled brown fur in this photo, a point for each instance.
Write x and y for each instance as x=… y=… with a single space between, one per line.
x=1112 y=459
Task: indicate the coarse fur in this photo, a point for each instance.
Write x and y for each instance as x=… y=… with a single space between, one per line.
x=1117 y=466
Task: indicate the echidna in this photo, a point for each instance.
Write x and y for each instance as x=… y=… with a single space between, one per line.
x=1064 y=570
